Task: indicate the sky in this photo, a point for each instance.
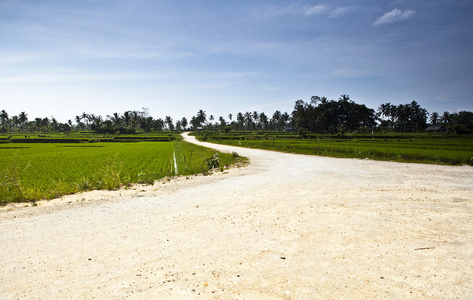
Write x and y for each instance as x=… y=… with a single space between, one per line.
x=61 y=58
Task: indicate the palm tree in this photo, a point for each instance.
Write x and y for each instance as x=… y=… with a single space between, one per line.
x=78 y=121
x=96 y=122
x=37 y=122
x=146 y=123
x=384 y=110
x=23 y=118
x=276 y=119
x=135 y=118
x=240 y=120
x=178 y=125
x=4 y=119
x=194 y=123
x=446 y=117
x=284 y=120
x=54 y=124
x=344 y=98
x=263 y=121
x=255 y=119
x=230 y=117
x=314 y=100
x=86 y=118
x=248 y=120
x=168 y=121
x=158 y=124
x=116 y=119
x=184 y=123
x=15 y=122
x=222 y=122
x=434 y=118
x=127 y=118
x=201 y=117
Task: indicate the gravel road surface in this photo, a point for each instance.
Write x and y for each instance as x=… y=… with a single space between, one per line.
x=285 y=226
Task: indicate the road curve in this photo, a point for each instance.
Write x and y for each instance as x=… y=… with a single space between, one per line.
x=286 y=226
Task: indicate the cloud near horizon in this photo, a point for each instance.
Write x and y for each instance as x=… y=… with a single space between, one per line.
x=394 y=15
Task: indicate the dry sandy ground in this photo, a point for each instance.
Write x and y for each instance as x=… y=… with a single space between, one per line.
x=286 y=226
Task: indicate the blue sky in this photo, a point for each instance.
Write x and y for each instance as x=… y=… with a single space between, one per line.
x=60 y=58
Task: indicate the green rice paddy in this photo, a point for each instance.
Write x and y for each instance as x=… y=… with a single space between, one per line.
x=417 y=148
x=33 y=171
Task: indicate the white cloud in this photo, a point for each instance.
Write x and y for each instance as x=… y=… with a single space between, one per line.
x=394 y=15
x=317 y=9
x=338 y=12
x=277 y=10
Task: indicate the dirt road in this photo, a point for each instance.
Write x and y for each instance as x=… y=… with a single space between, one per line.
x=286 y=226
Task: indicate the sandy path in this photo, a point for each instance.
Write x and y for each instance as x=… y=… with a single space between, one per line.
x=286 y=226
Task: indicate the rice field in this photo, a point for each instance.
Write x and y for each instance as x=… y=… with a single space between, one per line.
x=33 y=171
x=418 y=148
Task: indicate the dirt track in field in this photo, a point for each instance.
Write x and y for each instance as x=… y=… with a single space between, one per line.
x=286 y=226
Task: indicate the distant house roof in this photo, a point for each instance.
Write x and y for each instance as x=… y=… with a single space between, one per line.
x=436 y=128
x=288 y=128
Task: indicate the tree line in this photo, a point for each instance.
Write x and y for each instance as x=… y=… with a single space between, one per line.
x=319 y=115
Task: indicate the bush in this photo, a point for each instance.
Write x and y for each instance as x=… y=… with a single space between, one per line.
x=212 y=162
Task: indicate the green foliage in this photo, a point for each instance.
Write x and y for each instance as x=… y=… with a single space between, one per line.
x=108 y=176
x=192 y=159
x=420 y=148
x=212 y=162
x=10 y=181
x=43 y=171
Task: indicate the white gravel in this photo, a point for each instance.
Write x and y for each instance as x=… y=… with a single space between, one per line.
x=286 y=226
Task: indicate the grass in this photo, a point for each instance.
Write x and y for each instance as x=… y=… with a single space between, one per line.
x=33 y=171
x=418 y=148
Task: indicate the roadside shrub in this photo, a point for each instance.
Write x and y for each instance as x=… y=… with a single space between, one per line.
x=212 y=162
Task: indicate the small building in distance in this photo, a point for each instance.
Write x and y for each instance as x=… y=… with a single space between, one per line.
x=436 y=128
x=289 y=129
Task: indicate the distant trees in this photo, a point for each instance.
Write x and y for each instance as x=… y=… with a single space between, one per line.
x=413 y=118
x=128 y=122
x=403 y=117
x=247 y=121
x=319 y=115
x=330 y=116
x=461 y=122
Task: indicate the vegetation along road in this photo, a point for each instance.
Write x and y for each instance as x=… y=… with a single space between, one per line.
x=285 y=226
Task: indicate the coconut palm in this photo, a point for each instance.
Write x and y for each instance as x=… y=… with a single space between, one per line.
x=23 y=118
x=434 y=118
x=446 y=117
x=201 y=117
x=184 y=123
x=4 y=119
x=169 y=123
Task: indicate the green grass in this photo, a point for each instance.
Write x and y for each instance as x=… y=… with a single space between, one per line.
x=86 y=137
x=418 y=148
x=33 y=171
